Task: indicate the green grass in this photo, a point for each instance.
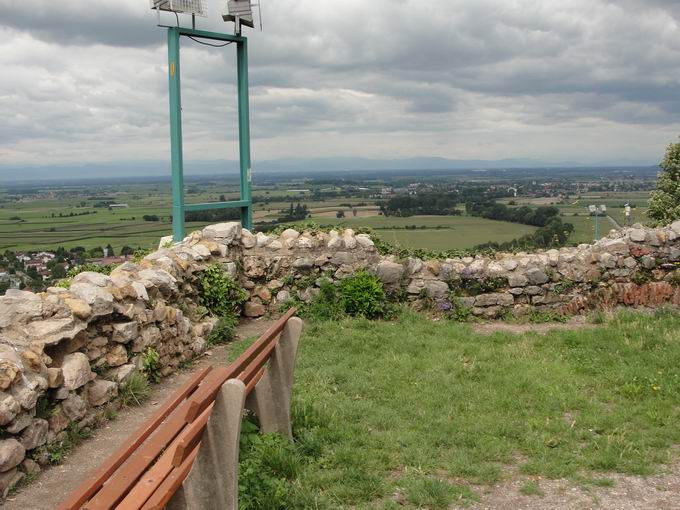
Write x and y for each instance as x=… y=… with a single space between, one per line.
x=430 y=410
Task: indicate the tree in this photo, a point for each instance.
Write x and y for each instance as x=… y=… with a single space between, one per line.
x=664 y=206
x=340 y=214
x=109 y=250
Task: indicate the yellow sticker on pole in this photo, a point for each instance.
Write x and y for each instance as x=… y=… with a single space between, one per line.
x=172 y=69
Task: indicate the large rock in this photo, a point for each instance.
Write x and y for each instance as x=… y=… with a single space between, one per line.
x=76 y=371
x=100 y=392
x=390 y=272
x=254 y=309
x=50 y=332
x=98 y=279
x=79 y=308
x=10 y=366
x=160 y=279
x=436 y=289
x=74 y=407
x=18 y=306
x=536 y=276
x=223 y=232
x=12 y=453
x=117 y=356
x=100 y=300
x=517 y=280
x=124 y=332
x=35 y=434
x=494 y=299
x=637 y=234
x=9 y=408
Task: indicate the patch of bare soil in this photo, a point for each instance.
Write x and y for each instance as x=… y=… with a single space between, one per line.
x=53 y=485
x=659 y=492
x=489 y=328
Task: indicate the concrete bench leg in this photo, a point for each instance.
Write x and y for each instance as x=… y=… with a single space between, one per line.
x=270 y=399
x=213 y=480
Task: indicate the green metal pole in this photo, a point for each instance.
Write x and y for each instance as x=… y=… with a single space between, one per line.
x=177 y=158
x=244 y=133
x=597 y=229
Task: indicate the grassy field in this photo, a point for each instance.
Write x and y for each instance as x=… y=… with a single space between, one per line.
x=421 y=414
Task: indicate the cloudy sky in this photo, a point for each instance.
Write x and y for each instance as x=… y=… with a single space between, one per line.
x=588 y=80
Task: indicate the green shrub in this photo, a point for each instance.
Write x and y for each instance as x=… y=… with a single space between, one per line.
x=223 y=331
x=151 y=364
x=326 y=306
x=219 y=293
x=94 y=268
x=363 y=295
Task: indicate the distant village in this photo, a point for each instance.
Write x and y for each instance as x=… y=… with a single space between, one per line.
x=37 y=270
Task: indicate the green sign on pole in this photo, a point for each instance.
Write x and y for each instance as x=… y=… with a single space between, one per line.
x=179 y=208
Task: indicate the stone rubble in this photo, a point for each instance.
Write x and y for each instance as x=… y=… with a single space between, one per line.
x=66 y=353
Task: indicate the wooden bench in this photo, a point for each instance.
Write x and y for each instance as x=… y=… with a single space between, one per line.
x=186 y=454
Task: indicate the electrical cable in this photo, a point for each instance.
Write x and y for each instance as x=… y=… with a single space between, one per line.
x=209 y=44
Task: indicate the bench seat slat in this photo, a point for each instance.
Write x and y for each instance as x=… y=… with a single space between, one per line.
x=124 y=479
x=90 y=486
x=171 y=484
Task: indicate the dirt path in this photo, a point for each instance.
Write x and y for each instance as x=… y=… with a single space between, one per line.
x=661 y=492
x=54 y=484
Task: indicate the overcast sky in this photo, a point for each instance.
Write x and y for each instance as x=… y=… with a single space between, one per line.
x=589 y=80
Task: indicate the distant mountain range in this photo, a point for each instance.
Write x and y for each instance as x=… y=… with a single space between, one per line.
x=126 y=169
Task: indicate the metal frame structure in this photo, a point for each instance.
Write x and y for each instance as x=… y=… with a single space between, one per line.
x=179 y=208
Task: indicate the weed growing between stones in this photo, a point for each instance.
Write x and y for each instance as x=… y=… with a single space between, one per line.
x=135 y=391
x=151 y=364
x=219 y=293
x=531 y=488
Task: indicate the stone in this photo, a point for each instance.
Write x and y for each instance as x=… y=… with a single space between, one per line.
x=124 y=332
x=494 y=299
x=274 y=284
x=436 y=289
x=7 y=480
x=98 y=279
x=648 y=262
x=99 y=299
x=263 y=293
x=303 y=263
x=76 y=371
x=117 y=356
x=9 y=408
x=12 y=452
x=365 y=242
x=510 y=264
x=390 y=272
x=262 y=240
x=289 y=233
x=10 y=366
x=335 y=243
x=254 y=267
x=226 y=233
x=79 y=308
x=160 y=279
x=304 y=243
x=254 y=309
x=517 y=280
x=25 y=394
x=283 y=296
x=99 y=392
x=518 y=291
x=675 y=227
x=248 y=240
x=20 y=423
x=52 y=331
x=30 y=467
x=533 y=290
x=637 y=234
x=35 y=434
x=74 y=407
x=58 y=421
x=19 y=306
x=536 y=276
x=275 y=245
x=123 y=373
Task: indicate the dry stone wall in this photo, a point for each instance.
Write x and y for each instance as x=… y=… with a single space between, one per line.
x=66 y=353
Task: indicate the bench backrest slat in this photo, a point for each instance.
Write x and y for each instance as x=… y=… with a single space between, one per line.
x=191 y=436
x=90 y=486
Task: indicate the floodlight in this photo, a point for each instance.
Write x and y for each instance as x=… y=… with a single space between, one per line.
x=240 y=12
x=193 y=7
